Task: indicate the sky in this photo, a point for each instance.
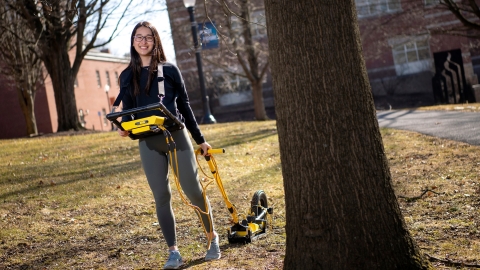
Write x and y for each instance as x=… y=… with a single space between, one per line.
x=121 y=44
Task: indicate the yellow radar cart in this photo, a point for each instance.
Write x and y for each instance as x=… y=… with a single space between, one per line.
x=253 y=225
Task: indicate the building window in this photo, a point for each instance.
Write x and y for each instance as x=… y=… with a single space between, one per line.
x=257 y=24
x=431 y=2
x=108 y=78
x=99 y=82
x=259 y=27
x=236 y=25
x=116 y=78
x=412 y=56
x=225 y=82
x=374 y=7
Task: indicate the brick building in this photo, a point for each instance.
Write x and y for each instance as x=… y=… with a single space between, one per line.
x=403 y=47
x=401 y=40
x=98 y=70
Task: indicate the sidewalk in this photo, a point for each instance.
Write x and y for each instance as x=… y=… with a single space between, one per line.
x=458 y=126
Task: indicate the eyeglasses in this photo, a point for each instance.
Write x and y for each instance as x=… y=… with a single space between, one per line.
x=140 y=38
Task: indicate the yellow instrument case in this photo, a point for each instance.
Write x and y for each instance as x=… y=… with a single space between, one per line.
x=143 y=125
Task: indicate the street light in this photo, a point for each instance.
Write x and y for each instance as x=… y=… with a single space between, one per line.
x=107 y=88
x=207 y=116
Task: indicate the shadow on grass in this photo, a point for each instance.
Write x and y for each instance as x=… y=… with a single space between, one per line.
x=200 y=261
x=77 y=176
x=244 y=137
x=46 y=261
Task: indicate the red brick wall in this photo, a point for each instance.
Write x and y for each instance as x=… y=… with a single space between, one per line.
x=90 y=98
x=415 y=20
x=12 y=121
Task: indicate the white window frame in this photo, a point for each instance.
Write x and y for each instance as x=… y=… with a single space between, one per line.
x=99 y=80
x=107 y=74
x=366 y=8
x=407 y=46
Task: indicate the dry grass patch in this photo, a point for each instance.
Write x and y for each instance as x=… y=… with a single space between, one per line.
x=465 y=107
x=444 y=221
x=83 y=202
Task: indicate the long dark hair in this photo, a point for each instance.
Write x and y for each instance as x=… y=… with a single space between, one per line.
x=158 y=56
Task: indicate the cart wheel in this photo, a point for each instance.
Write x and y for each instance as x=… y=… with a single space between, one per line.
x=259 y=199
x=258 y=204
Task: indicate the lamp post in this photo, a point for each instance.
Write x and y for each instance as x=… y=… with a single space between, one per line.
x=207 y=115
x=107 y=88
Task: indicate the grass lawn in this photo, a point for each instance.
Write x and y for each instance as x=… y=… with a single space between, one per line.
x=82 y=202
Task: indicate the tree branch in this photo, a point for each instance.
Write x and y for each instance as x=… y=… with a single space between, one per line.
x=411 y=199
x=456 y=11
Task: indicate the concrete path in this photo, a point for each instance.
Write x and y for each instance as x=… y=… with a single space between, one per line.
x=458 y=126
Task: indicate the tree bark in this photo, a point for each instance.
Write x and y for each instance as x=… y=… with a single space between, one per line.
x=26 y=100
x=62 y=81
x=258 y=102
x=341 y=209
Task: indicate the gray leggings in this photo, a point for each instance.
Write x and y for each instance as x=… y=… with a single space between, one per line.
x=155 y=161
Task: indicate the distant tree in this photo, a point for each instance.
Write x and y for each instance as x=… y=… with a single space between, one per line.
x=250 y=54
x=62 y=26
x=242 y=55
x=20 y=63
x=467 y=12
x=341 y=209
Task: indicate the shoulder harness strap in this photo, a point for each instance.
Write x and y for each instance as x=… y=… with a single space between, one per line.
x=161 y=88
x=161 y=80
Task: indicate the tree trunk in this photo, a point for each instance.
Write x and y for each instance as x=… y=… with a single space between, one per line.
x=258 y=103
x=26 y=100
x=61 y=76
x=341 y=209
x=252 y=71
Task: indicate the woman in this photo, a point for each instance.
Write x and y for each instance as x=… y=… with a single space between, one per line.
x=140 y=79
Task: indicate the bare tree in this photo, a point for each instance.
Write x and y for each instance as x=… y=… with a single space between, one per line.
x=341 y=209
x=241 y=53
x=62 y=26
x=468 y=14
x=20 y=63
x=248 y=52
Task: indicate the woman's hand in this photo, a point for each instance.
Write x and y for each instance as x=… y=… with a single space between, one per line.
x=123 y=133
x=205 y=146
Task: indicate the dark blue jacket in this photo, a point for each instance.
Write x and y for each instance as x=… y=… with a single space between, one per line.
x=175 y=100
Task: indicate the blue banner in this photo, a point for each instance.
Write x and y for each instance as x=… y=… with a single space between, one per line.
x=208 y=35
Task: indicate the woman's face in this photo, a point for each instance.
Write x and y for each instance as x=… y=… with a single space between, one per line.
x=143 y=41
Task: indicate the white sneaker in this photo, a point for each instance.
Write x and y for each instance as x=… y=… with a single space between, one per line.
x=214 y=252
x=174 y=260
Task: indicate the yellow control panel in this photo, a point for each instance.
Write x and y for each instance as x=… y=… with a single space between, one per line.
x=143 y=125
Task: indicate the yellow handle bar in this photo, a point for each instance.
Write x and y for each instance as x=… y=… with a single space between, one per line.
x=213 y=168
x=211 y=151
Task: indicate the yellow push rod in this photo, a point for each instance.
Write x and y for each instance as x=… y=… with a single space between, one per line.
x=213 y=168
